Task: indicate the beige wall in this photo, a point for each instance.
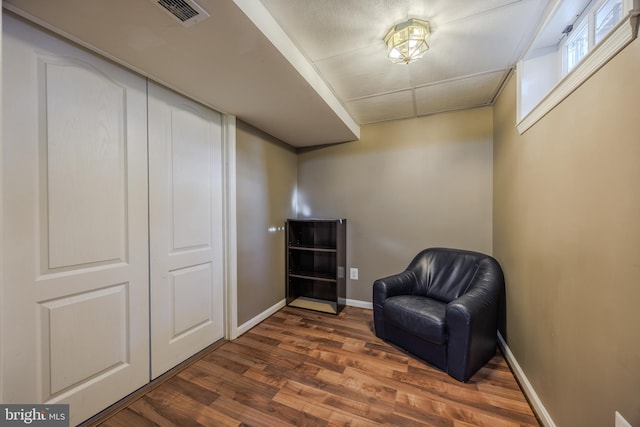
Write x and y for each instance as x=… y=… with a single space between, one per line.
x=404 y=186
x=567 y=233
x=266 y=181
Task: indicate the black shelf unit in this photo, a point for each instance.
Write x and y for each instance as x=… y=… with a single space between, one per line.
x=316 y=260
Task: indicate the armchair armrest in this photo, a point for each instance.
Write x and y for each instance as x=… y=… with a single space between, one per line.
x=472 y=324
x=398 y=284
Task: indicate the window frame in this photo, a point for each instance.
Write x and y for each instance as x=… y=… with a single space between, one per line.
x=588 y=19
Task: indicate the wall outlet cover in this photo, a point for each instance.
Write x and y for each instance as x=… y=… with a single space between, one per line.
x=620 y=421
x=353 y=273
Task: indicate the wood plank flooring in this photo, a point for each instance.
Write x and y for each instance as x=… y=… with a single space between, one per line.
x=303 y=368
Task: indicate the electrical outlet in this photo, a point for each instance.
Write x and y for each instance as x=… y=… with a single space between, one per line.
x=353 y=273
x=620 y=421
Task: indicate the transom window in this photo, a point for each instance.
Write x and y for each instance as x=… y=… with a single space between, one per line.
x=599 y=18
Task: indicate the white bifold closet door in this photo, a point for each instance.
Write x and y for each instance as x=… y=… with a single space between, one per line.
x=75 y=290
x=186 y=227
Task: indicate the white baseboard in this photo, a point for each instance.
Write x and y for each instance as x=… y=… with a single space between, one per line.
x=528 y=389
x=259 y=318
x=358 y=303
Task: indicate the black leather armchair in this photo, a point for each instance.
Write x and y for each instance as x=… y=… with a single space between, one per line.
x=443 y=308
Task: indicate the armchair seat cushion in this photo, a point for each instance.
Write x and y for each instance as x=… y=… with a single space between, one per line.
x=422 y=316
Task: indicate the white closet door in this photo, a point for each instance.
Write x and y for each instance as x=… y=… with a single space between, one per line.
x=75 y=245
x=185 y=199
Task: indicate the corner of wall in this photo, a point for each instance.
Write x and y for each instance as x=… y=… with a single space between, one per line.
x=259 y=318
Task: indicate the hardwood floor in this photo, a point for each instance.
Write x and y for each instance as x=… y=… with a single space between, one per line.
x=304 y=368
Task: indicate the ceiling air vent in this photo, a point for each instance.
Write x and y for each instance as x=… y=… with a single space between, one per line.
x=187 y=12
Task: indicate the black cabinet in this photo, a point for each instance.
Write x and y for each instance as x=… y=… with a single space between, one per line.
x=316 y=260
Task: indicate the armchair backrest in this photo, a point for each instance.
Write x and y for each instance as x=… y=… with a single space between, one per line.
x=446 y=274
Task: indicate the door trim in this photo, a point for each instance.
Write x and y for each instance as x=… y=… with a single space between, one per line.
x=230 y=227
x=1 y=211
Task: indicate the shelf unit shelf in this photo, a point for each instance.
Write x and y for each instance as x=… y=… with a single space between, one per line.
x=312 y=249
x=316 y=259
x=312 y=276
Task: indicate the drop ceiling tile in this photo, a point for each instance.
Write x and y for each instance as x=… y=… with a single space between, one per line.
x=457 y=94
x=391 y=106
x=490 y=41
x=445 y=11
x=364 y=72
x=325 y=28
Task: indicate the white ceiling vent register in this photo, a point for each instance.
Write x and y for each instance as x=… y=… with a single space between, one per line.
x=187 y=12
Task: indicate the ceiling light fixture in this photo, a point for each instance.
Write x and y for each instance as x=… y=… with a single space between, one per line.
x=407 y=41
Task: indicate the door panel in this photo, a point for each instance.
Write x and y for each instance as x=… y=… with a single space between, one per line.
x=185 y=197
x=75 y=245
x=191 y=177
x=65 y=337
x=83 y=149
x=191 y=293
